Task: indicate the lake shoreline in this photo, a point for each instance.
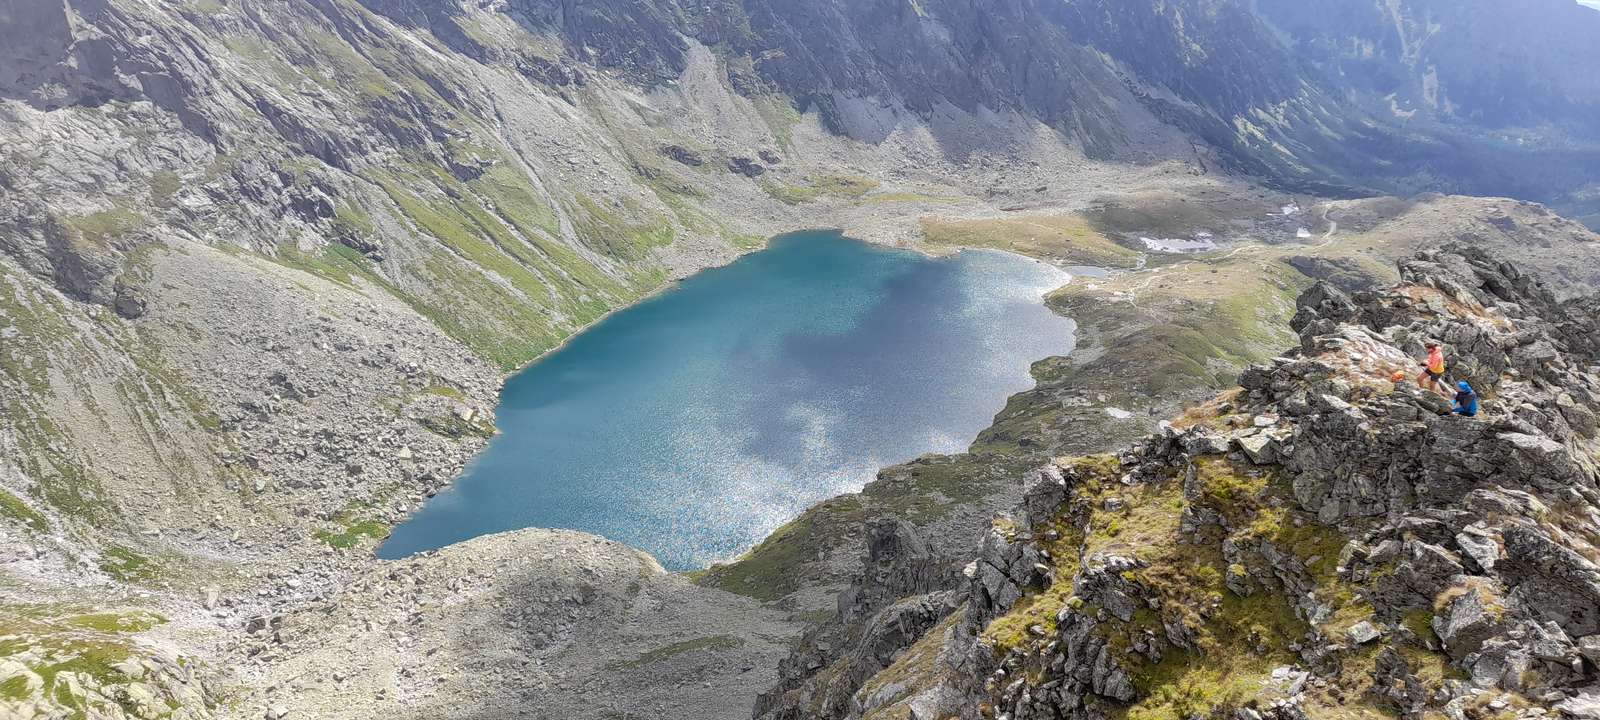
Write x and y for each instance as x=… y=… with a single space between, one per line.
x=1038 y=289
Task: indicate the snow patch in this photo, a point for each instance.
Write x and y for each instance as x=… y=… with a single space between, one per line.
x=1202 y=242
x=1118 y=413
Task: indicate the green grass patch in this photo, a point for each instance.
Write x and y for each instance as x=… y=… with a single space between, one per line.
x=102 y=227
x=347 y=67
x=791 y=194
x=15 y=688
x=606 y=231
x=444 y=391
x=838 y=186
x=164 y=186
x=352 y=532
x=498 y=283
x=13 y=507
x=1238 y=639
x=776 y=567
x=129 y=566
x=335 y=262
x=932 y=487
x=714 y=642
x=779 y=114
x=515 y=198
x=1235 y=490
x=907 y=197
x=46 y=331
x=912 y=671
x=1060 y=238
x=353 y=222
x=71 y=651
x=1090 y=476
x=1243 y=641
x=135 y=622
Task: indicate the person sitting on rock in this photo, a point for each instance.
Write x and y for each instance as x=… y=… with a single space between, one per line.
x=1466 y=400
x=1433 y=370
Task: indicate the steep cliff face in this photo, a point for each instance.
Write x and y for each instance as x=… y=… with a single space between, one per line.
x=1479 y=76
x=1485 y=63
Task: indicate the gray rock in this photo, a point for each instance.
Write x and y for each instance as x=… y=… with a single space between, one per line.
x=1363 y=632
x=1589 y=647
x=1466 y=623
x=1287 y=680
x=1261 y=448
x=1585 y=705
x=1477 y=543
x=745 y=166
x=683 y=155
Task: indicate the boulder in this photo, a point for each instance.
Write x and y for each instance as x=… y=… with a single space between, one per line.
x=1261 y=448
x=1363 y=632
x=746 y=167
x=1479 y=544
x=1585 y=705
x=683 y=155
x=1467 y=622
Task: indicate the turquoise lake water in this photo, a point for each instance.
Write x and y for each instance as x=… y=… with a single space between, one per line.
x=693 y=424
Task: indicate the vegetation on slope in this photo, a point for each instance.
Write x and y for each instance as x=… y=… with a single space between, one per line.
x=90 y=664
x=1067 y=239
x=1240 y=622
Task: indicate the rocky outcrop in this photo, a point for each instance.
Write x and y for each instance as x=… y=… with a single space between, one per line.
x=1323 y=536
x=91 y=663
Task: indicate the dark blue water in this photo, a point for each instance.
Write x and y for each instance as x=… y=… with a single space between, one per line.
x=695 y=423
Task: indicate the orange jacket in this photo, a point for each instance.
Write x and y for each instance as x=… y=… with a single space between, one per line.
x=1436 y=361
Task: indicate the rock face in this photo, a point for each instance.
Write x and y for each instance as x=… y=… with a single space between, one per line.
x=1319 y=538
x=1429 y=54
x=1421 y=61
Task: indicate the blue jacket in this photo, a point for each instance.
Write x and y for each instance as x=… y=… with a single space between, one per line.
x=1466 y=400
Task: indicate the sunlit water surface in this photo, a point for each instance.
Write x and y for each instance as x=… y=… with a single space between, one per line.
x=693 y=424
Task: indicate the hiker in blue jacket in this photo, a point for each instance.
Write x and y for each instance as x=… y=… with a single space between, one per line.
x=1466 y=400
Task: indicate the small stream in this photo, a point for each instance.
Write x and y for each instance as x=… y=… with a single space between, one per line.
x=695 y=423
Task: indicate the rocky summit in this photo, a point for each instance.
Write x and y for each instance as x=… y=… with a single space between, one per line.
x=1320 y=542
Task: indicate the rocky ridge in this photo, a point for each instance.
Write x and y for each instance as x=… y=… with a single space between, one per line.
x=1321 y=539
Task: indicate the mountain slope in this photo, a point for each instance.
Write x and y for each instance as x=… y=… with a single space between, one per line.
x=1499 y=84
x=1318 y=543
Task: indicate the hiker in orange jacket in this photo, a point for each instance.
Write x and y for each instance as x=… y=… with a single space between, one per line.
x=1433 y=370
